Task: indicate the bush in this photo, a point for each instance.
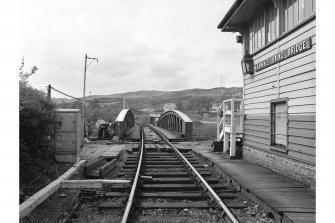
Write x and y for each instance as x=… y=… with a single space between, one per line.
x=36 y=127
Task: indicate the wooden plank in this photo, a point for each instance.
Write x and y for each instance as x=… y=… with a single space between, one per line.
x=261 y=105
x=311 y=100
x=297 y=86
x=266 y=72
x=302 y=141
x=302 y=109
x=167 y=219
x=311 y=117
x=298 y=77
x=302 y=149
x=297 y=61
x=302 y=125
x=92 y=184
x=179 y=205
x=257 y=139
x=264 y=135
x=31 y=203
x=257 y=128
x=107 y=167
x=260 y=80
x=262 y=93
x=258 y=117
x=300 y=217
x=299 y=93
x=261 y=87
x=302 y=133
x=257 y=111
x=257 y=122
x=307 y=68
x=303 y=157
x=265 y=98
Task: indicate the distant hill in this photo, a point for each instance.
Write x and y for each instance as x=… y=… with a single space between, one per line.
x=192 y=101
x=156 y=99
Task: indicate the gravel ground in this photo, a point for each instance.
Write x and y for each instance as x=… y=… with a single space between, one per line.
x=88 y=211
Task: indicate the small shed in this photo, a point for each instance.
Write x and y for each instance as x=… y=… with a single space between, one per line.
x=68 y=135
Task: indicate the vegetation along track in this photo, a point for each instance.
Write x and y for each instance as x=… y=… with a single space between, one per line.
x=167 y=185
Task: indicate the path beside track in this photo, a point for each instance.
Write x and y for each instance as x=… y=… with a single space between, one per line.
x=289 y=200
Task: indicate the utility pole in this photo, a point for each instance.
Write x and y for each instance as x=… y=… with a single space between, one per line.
x=49 y=92
x=83 y=110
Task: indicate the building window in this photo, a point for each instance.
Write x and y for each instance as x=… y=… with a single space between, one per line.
x=295 y=11
x=271 y=22
x=279 y=123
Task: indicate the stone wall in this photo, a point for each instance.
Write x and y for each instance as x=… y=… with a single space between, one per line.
x=303 y=172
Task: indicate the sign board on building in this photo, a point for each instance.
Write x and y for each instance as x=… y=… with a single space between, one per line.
x=285 y=54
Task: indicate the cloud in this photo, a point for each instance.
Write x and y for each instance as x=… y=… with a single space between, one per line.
x=140 y=44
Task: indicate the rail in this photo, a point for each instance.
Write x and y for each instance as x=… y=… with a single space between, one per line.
x=208 y=189
x=133 y=188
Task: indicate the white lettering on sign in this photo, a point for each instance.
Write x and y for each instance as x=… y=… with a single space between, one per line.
x=283 y=55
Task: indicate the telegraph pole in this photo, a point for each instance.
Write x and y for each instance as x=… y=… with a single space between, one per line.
x=85 y=68
x=49 y=92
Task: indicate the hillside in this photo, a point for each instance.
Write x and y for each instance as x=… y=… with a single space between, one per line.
x=193 y=102
x=141 y=99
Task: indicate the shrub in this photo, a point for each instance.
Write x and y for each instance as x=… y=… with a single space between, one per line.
x=36 y=127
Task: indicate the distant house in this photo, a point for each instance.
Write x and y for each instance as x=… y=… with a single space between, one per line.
x=147 y=109
x=169 y=106
x=279 y=77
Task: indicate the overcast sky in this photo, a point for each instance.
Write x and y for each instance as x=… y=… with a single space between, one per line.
x=141 y=45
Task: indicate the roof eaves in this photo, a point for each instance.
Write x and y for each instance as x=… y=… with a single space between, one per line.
x=228 y=15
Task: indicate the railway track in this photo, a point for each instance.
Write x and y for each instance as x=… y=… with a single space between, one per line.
x=167 y=185
x=167 y=182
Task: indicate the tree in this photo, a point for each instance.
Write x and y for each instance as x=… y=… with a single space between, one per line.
x=36 y=128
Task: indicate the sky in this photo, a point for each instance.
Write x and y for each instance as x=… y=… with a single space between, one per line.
x=141 y=45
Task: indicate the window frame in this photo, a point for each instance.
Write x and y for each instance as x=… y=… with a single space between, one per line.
x=273 y=103
x=280 y=22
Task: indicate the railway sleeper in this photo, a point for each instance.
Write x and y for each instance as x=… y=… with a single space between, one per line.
x=171 y=187
x=184 y=195
x=167 y=162
x=168 y=205
x=169 y=170
x=171 y=166
x=175 y=174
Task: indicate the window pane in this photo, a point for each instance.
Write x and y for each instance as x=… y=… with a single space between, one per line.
x=269 y=24
x=280 y=124
x=277 y=24
x=263 y=36
x=285 y=21
x=302 y=10
x=259 y=35
x=290 y=15
x=295 y=13
x=309 y=7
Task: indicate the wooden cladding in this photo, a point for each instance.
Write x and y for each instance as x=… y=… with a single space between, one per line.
x=300 y=135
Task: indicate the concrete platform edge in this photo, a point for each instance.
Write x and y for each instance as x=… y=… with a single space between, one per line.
x=31 y=203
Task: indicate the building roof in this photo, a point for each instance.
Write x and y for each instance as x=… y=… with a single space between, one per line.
x=239 y=14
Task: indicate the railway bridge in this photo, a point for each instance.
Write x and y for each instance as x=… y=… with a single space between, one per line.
x=124 y=122
x=177 y=121
x=173 y=121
